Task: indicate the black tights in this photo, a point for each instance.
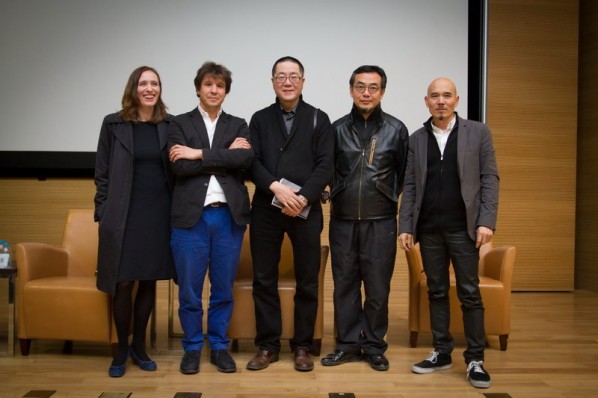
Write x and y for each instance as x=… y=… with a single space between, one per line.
x=124 y=309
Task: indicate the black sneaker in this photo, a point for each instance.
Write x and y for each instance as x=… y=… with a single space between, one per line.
x=434 y=362
x=223 y=360
x=190 y=362
x=477 y=375
x=377 y=361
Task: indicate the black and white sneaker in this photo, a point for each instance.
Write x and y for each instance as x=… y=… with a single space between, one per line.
x=477 y=375
x=434 y=362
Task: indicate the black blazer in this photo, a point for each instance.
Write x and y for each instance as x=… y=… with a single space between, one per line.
x=193 y=176
x=305 y=156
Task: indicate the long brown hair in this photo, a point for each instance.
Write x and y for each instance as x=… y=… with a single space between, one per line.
x=130 y=101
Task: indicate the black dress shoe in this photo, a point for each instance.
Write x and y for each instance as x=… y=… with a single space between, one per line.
x=190 y=362
x=223 y=361
x=377 y=361
x=339 y=357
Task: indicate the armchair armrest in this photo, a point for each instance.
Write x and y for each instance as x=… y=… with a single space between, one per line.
x=498 y=264
x=416 y=267
x=40 y=260
x=416 y=273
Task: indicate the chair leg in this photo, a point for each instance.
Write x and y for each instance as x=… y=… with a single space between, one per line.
x=114 y=349
x=503 y=339
x=67 y=348
x=316 y=347
x=234 y=346
x=25 y=346
x=413 y=339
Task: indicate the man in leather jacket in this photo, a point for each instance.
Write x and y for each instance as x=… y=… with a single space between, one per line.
x=370 y=154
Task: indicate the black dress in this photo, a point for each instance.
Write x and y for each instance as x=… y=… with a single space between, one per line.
x=146 y=251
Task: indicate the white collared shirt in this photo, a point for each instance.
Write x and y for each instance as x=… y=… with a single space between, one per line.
x=442 y=136
x=215 y=192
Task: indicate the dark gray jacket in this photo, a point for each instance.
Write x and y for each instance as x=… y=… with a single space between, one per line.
x=478 y=174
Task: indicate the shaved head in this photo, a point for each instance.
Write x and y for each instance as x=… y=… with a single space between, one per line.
x=443 y=82
x=442 y=99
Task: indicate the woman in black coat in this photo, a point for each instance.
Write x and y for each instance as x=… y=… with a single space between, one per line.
x=132 y=205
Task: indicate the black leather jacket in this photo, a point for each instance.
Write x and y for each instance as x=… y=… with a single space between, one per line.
x=368 y=175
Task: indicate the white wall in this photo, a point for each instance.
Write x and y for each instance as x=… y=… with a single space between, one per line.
x=65 y=63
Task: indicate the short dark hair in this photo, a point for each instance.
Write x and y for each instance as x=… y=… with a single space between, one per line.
x=369 y=69
x=214 y=69
x=130 y=100
x=288 y=58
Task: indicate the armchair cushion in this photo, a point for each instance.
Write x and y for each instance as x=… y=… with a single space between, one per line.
x=79 y=302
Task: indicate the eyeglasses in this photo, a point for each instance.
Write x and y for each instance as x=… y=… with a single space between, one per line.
x=360 y=88
x=282 y=78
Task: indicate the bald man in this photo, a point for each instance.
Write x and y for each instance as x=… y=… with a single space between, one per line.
x=449 y=205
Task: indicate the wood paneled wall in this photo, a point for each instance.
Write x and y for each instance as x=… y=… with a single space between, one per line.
x=35 y=211
x=532 y=111
x=586 y=242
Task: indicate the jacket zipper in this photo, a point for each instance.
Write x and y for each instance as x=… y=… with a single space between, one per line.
x=363 y=161
x=360 y=174
x=372 y=150
x=360 y=183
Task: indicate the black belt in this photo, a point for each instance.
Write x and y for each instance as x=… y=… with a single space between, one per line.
x=218 y=204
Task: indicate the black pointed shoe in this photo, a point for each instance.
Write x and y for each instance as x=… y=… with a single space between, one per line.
x=339 y=357
x=377 y=361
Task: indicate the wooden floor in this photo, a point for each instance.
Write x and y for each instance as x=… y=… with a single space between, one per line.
x=553 y=352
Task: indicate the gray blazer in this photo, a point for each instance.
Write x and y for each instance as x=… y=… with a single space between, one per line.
x=477 y=170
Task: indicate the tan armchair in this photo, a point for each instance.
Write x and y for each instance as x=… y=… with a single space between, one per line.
x=242 y=324
x=57 y=298
x=495 y=271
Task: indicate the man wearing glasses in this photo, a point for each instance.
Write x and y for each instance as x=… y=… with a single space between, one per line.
x=370 y=154
x=293 y=143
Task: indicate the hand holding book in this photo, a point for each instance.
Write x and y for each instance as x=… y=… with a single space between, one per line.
x=293 y=204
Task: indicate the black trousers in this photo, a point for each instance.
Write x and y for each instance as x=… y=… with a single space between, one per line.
x=363 y=252
x=267 y=229
x=438 y=250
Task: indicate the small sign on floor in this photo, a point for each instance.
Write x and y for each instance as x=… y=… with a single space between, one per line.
x=39 y=393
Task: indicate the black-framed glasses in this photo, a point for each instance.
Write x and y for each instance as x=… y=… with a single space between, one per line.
x=360 y=88
x=282 y=78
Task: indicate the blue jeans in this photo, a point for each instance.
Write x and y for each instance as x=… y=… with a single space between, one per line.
x=213 y=244
x=438 y=250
